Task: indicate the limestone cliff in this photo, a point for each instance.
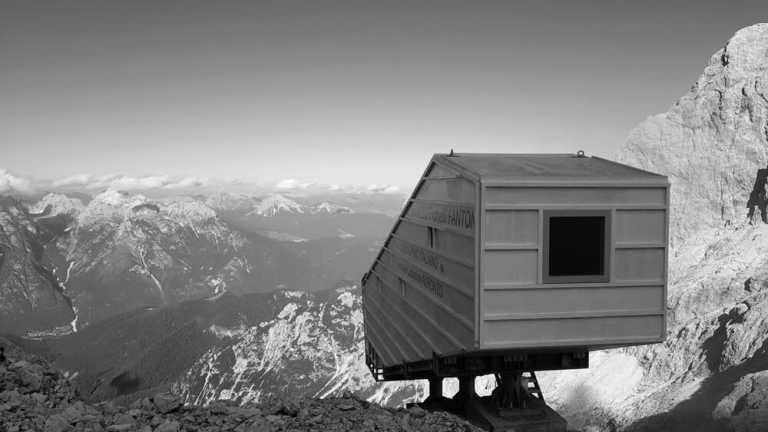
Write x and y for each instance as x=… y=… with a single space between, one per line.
x=712 y=141
x=713 y=145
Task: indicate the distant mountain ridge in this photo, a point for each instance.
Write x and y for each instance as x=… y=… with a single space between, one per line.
x=99 y=256
x=30 y=293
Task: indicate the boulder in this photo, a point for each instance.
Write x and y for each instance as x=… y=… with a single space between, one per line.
x=166 y=402
x=169 y=426
x=56 y=423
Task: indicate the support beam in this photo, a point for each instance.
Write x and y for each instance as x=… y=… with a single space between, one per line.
x=466 y=388
x=435 y=388
x=511 y=390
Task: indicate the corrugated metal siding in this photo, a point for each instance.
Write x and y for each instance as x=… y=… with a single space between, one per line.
x=420 y=293
x=518 y=310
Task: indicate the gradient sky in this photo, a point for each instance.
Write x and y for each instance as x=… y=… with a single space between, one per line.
x=337 y=91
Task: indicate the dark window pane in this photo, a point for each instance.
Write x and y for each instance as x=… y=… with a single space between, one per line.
x=576 y=245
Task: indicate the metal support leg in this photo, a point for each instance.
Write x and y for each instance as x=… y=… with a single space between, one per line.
x=466 y=388
x=511 y=390
x=435 y=388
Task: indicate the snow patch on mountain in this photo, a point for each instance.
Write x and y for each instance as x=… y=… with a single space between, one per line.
x=57 y=204
x=312 y=347
x=275 y=204
x=110 y=205
x=230 y=201
x=326 y=207
x=189 y=211
x=344 y=235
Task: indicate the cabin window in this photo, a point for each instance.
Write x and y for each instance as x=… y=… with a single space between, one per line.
x=576 y=246
x=433 y=237
x=402 y=286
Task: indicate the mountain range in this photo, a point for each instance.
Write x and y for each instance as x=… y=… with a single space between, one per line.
x=69 y=261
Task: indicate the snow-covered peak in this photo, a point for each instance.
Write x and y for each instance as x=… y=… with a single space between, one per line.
x=189 y=210
x=328 y=208
x=343 y=234
x=116 y=198
x=110 y=204
x=229 y=201
x=56 y=204
x=275 y=204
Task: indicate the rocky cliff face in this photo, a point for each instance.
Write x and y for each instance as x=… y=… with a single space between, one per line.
x=312 y=346
x=713 y=144
x=712 y=141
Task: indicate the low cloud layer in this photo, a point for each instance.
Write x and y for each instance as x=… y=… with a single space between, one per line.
x=128 y=183
x=299 y=185
x=10 y=183
x=17 y=185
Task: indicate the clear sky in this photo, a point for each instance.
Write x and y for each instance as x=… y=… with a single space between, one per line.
x=337 y=91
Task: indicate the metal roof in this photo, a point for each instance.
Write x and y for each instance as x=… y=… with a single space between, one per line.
x=544 y=167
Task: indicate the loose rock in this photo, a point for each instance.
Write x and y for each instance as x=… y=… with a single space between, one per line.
x=169 y=426
x=54 y=407
x=166 y=402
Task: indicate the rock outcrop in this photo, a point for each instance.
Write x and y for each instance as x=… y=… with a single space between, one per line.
x=712 y=142
x=746 y=407
x=312 y=346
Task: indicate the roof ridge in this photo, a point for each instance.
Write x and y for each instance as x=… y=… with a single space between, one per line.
x=546 y=166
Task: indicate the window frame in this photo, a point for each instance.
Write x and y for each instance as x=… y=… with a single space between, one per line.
x=607 y=244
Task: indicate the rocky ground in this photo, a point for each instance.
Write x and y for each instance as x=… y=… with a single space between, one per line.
x=36 y=397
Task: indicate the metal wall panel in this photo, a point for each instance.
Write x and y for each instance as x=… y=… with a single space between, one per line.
x=559 y=196
x=457 y=190
x=452 y=298
x=459 y=217
x=429 y=323
x=640 y=226
x=578 y=299
x=512 y=226
x=645 y=264
x=518 y=309
x=510 y=266
x=440 y=171
x=456 y=273
x=449 y=243
x=420 y=291
x=571 y=331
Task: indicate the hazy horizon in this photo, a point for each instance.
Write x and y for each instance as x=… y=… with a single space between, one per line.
x=335 y=92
